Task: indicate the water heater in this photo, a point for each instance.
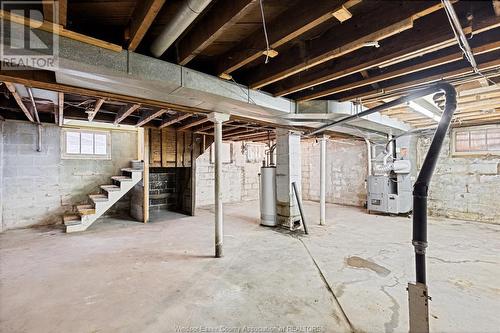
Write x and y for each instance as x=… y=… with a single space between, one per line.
x=268 y=196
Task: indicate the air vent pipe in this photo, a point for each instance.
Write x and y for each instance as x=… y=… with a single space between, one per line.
x=188 y=12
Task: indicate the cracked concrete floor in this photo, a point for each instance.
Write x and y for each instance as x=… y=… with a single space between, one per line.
x=160 y=277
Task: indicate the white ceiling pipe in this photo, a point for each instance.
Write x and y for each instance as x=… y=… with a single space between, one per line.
x=188 y=12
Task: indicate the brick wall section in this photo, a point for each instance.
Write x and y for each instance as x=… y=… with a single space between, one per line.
x=39 y=187
x=346 y=170
x=463 y=187
x=240 y=181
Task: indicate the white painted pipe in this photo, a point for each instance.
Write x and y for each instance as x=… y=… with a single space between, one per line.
x=322 y=181
x=369 y=156
x=219 y=233
x=182 y=20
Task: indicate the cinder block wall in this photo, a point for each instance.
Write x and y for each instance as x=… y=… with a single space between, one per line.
x=346 y=171
x=240 y=181
x=39 y=187
x=463 y=187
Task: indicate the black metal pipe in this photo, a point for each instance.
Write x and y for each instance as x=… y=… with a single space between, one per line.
x=421 y=187
x=299 y=203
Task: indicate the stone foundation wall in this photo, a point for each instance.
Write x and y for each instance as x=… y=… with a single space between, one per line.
x=463 y=187
x=346 y=171
x=240 y=180
x=39 y=187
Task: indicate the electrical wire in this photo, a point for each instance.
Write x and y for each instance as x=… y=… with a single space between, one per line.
x=265 y=31
x=462 y=41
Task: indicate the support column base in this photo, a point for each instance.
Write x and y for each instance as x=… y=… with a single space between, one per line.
x=418 y=299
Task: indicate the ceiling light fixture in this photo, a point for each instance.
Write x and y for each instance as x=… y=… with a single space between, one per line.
x=420 y=109
x=371 y=44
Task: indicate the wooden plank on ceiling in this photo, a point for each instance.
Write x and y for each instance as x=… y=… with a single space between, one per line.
x=56 y=11
x=428 y=35
x=344 y=39
x=148 y=116
x=410 y=83
x=282 y=30
x=97 y=107
x=223 y=15
x=125 y=112
x=174 y=120
x=59 y=30
x=194 y=123
x=142 y=18
x=445 y=59
x=46 y=80
x=19 y=101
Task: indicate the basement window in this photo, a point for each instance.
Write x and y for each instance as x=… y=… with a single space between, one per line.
x=84 y=144
x=478 y=140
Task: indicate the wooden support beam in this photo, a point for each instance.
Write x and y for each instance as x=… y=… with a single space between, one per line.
x=56 y=11
x=58 y=30
x=122 y=114
x=97 y=107
x=398 y=17
x=19 y=101
x=194 y=123
x=247 y=136
x=424 y=80
x=428 y=35
x=176 y=119
x=60 y=107
x=46 y=80
x=284 y=29
x=451 y=56
x=232 y=132
x=148 y=116
x=145 y=178
x=221 y=16
x=142 y=18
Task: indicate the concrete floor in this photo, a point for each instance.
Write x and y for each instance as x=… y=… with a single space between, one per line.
x=161 y=277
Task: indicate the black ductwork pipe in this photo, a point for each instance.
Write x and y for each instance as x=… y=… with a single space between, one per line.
x=421 y=186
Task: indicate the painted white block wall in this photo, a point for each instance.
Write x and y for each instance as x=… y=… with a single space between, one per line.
x=39 y=187
x=240 y=181
x=346 y=171
x=463 y=187
x=288 y=170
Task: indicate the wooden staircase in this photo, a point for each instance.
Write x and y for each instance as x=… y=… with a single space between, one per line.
x=101 y=202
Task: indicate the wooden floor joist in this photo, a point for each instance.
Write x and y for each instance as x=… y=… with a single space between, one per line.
x=211 y=26
x=284 y=30
x=148 y=116
x=142 y=18
x=344 y=40
x=455 y=56
x=194 y=123
x=125 y=113
x=19 y=101
x=58 y=30
x=466 y=69
x=427 y=36
x=174 y=120
x=97 y=107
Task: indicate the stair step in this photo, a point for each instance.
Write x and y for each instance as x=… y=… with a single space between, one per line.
x=110 y=188
x=71 y=220
x=85 y=209
x=131 y=170
x=122 y=178
x=98 y=197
